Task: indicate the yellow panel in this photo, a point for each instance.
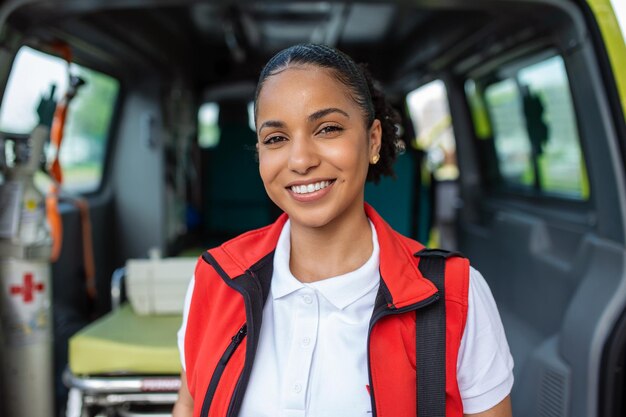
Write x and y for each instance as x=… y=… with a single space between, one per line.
x=614 y=43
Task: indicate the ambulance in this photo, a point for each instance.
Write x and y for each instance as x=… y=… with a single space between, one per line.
x=127 y=148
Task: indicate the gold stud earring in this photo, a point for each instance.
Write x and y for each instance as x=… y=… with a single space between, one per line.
x=375 y=159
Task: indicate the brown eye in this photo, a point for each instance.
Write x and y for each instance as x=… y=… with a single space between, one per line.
x=330 y=129
x=273 y=140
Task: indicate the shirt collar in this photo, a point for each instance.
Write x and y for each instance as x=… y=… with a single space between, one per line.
x=341 y=291
x=283 y=282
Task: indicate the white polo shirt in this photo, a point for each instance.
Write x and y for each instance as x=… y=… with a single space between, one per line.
x=312 y=354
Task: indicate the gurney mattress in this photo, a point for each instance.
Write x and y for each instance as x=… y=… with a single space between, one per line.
x=123 y=342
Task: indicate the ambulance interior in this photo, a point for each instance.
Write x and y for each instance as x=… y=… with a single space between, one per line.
x=514 y=138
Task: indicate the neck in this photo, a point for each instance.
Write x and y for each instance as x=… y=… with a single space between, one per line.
x=337 y=248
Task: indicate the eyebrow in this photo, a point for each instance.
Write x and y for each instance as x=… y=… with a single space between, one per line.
x=321 y=113
x=271 y=123
x=313 y=117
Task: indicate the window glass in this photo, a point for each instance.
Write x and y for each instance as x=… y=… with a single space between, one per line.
x=430 y=114
x=429 y=111
x=482 y=127
x=510 y=135
x=38 y=79
x=535 y=132
x=560 y=159
x=251 y=122
x=208 y=129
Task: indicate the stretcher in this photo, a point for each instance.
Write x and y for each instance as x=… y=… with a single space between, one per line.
x=127 y=363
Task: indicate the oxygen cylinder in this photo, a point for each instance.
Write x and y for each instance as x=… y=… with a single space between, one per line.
x=25 y=301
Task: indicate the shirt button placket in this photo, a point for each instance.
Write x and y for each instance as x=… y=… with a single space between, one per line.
x=302 y=345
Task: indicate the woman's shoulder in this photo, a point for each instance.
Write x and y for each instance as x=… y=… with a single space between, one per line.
x=238 y=254
x=262 y=238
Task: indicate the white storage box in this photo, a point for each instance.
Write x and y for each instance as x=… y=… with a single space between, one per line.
x=158 y=286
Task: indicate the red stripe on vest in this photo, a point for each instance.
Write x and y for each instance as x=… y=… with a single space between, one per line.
x=216 y=314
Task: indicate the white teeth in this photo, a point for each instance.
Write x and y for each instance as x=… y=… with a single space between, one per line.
x=309 y=188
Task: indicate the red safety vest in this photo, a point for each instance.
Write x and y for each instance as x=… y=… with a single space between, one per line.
x=232 y=282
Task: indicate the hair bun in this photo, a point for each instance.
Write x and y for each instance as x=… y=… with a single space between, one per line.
x=391 y=145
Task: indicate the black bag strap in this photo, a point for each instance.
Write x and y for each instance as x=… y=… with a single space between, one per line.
x=430 y=338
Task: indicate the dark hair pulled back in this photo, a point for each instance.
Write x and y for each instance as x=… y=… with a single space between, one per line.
x=361 y=86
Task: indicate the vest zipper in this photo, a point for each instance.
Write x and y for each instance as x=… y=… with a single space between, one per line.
x=236 y=398
x=376 y=316
x=221 y=365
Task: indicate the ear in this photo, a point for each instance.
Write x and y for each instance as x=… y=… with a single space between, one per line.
x=375 y=138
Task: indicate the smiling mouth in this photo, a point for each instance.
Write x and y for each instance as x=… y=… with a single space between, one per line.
x=310 y=188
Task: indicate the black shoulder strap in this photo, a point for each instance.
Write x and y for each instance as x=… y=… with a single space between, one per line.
x=430 y=338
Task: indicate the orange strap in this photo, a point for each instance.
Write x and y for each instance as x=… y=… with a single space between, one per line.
x=56 y=138
x=56 y=172
x=52 y=200
x=63 y=49
x=54 y=220
x=60 y=115
x=52 y=204
x=56 y=232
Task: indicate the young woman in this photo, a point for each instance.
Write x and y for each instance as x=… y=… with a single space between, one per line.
x=315 y=315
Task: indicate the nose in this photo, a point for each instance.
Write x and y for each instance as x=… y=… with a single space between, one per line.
x=303 y=155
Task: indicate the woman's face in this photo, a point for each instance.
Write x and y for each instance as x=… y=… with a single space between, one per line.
x=314 y=146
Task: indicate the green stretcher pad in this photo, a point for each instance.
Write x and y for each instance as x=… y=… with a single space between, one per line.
x=123 y=342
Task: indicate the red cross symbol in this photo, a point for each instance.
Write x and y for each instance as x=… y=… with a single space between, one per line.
x=27 y=289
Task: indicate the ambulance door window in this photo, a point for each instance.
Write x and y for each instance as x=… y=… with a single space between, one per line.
x=430 y=114
x=208 y=128
x=251 y=121
x=429 y=110
x=36 y=82
x=534 y=130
